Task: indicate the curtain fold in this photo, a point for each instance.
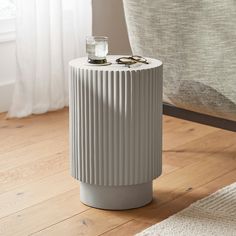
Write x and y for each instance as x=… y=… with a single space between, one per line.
x=49 y=33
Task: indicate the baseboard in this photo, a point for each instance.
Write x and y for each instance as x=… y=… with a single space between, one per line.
x=6 y=92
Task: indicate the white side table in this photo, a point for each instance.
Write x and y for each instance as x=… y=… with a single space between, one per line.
x=115 y=132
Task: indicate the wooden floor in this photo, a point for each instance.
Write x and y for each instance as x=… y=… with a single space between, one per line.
x=38 y=196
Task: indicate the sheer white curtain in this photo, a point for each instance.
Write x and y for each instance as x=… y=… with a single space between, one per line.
x=49 y=34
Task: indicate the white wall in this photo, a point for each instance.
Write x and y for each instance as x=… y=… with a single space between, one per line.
x=108 y=20
x=7 y=63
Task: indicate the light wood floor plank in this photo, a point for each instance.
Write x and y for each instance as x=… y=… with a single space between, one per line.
x=188 y=132
x=198 y=149
x=163 y=211
x=166 y=189
x=37 y=195
x=18 y=133
x=32 y=152
x=33 y=171
x=34 y=193
x=43 y=215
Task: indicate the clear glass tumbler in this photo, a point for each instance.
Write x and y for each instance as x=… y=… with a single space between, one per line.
x=97 y=49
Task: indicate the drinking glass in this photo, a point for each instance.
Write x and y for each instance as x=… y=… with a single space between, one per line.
x=97 y=49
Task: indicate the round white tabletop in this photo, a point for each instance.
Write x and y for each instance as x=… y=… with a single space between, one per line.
x=115 y=131
x=82 y=63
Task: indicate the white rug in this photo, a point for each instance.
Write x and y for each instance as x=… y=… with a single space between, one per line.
x=211 y=216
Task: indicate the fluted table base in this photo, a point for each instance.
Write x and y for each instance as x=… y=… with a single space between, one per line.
x=116 y=197
x=115 y=132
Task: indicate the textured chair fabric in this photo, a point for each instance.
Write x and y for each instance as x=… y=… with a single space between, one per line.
x=196 y=40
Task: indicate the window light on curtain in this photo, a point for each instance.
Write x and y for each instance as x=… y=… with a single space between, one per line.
x=49 y=33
